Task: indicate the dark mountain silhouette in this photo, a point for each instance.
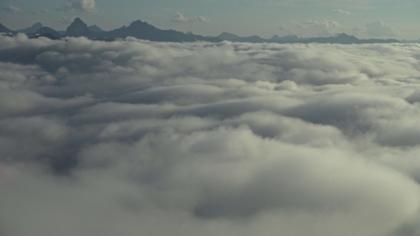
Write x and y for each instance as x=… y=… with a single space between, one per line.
x=346 y=39
x=78 y=28
x=46 y=32
x=235 y=38
x=95 y=28
x=229 y=37
x=32 y=29
x=339 y=38
x=284 y=39
x=4 y=29
x=143 y=30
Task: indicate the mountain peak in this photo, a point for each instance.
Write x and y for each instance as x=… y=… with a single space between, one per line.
x=38 y=25
x=143 y=30
x=228 y=36
x=78 y=21
x=140 y=23
x=47 y=32
x=32 y=29
x=4 y=29
x=285 y=38
x=235 y=38
x=344 y=35
x=77 y=28
x=95 y=28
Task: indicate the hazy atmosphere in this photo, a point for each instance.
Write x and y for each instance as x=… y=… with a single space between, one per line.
x=165 y=133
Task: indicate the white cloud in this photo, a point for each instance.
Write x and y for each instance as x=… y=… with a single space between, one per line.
x=80 y=5
x=375 y=29
x=132 y=137
x=328 y=27
x=11 y=9
x=312 y=28
x=342 y=12
x=181 y=18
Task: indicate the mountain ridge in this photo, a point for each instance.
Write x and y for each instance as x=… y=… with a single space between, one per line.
x=31 y=29
x=4 y=29
x=143 y=30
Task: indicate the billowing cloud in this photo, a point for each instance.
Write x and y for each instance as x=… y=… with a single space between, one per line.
x=133 y=137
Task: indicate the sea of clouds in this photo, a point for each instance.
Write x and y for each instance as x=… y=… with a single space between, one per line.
x=140 y=138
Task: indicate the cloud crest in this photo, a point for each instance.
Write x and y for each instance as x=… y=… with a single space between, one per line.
x=117 y=138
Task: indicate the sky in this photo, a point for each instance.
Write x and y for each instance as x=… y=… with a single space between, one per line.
x=365 y=18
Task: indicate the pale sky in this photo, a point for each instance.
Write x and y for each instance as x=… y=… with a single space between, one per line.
x=364 y=18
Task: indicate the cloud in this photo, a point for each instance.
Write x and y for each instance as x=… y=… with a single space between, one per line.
x=11 y=9
x=328 y=27
x=39 y=12
x=80 y=5
x=342 y=12
x=66 y=20
x=312 y=28
x=375 y=29
x=181 y=18
x=129 y=137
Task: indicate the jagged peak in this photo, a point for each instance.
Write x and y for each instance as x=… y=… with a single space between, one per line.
x=344 y=35
x=140 y=23
x=224 y=34
x=78 y=20
x=285 y=37
x=95 y=28
x=4 y=28
x=38 y=25
x=79 y=23
x=77 y=28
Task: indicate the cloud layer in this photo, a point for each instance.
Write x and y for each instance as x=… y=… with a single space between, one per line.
x=134 y=137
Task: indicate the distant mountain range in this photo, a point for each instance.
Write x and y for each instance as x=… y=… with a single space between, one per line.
x=143 y=30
